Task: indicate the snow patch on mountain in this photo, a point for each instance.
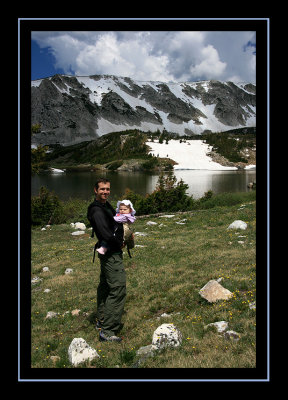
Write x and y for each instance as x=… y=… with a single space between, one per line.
x=188 y=155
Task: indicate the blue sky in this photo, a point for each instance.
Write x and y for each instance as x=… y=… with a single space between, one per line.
x=42 y=62
x=177 y=56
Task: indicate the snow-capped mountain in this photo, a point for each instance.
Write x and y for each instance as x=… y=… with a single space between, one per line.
x=72 y=109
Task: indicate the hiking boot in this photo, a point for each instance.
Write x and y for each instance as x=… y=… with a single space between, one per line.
x=104 y=338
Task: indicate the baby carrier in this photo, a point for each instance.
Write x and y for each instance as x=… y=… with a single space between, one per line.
x=128 y=238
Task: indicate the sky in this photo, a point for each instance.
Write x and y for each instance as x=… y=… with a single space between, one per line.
x=166 y=56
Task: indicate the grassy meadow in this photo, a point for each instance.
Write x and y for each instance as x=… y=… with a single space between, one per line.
x=172 y=263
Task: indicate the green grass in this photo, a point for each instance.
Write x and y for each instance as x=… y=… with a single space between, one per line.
x=164 y=276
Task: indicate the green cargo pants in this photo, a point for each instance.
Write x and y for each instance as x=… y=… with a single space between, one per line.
x=111 y=292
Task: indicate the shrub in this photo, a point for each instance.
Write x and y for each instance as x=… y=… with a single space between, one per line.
x=168 y=196
x=46 y=208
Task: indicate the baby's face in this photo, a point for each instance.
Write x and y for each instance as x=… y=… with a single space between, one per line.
x=123 y=209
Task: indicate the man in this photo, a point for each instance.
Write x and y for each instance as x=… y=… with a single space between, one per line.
x=111 y=291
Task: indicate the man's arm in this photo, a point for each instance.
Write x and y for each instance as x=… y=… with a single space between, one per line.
x=103 y=230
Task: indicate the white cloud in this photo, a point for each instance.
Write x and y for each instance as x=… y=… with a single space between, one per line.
x=155 y=55
x=210 y=64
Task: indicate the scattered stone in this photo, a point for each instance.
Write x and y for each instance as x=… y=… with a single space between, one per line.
x=77 y=233
x=75 y=312
x=182 y=221
x=166 y=216
x=213 y=291
x=80 y=225
x=221 y=326
x=51 y=314
x=238 y=224
x=147 y=351
x=252 y=305
x=140 y=234
x=151 y=223
x=164 y=315
x=45 y=269
x=36 y=280
x=232 y=335
x=240 y=242
x=47 y=290
x=68 y=271
x=139 y=245
x=79 y=351
x=167 y=335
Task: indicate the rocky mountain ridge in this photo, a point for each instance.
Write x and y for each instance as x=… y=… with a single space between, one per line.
x=73 y=109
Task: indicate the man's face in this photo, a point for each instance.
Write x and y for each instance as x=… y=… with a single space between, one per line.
x=102 y=192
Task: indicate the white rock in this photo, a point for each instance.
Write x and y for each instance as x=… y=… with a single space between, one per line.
x=165 y=315
x=238 y=224
x=79 y=351
x=80 y=225
x=232 y=335
x=77 y=233
x=47 y=290
x=221 y=326
x=51 y=314
x=140 y=233
x=36 y=280
x=167 y=216
x=45 y=269
x=72 y=225
x=151 y=223
x=166 y=335
x=213 y=291
x=68 y=271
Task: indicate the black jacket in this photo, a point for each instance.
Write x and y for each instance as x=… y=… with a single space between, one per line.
x=104 y=225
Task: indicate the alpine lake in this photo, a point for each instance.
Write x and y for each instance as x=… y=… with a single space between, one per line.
x=80 y=184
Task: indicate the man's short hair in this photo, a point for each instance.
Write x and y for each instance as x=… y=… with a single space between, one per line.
x=101 y=180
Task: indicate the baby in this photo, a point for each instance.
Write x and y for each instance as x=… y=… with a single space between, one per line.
x=125 y=215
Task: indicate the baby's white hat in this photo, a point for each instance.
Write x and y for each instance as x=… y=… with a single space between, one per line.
x=127 y=203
